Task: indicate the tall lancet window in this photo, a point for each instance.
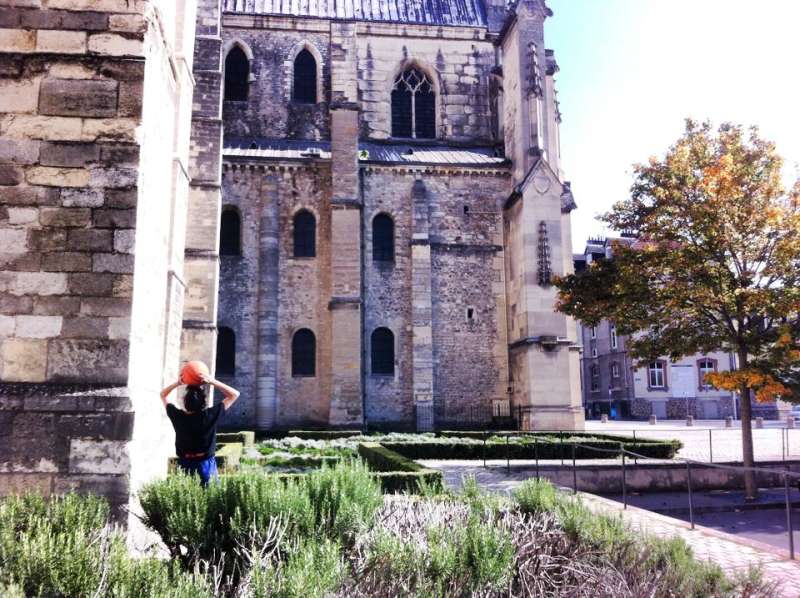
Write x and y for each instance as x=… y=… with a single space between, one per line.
x=305 y=78
x=413 y=106
x=237 y=74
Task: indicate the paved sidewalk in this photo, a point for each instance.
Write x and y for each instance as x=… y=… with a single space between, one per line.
x=732 y=553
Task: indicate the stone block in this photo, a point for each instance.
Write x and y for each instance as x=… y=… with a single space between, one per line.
x=95 y=284
x=106 y=306
x=114 y=177
x=10 y=174
x=98 y=456
x=23 y=483
x=112 y=44
x=81 y=198
x=7 y=324
x=65 y=217
x=38 y=326
x=11 y=304
x=17 y=40
x=56 y=128
x=67 y=262
x=119 y=154
x=28 y=196
x=64 y=19
x=23 y=360
x=106 y=426
x=20 y=262
x=124 y=240
x=47 y=239
x=123 y=286
x=121 y=6
x=111 y=218
x=78 y=97
x=131 y=97
x=61 y=42
x=58 y=177
x=85 y=328
x=35 y=283
x=90 y=239
x=13 y=240
x=119 y=328
x=68 y=154
x=87 y=361
x=109 y=129
x=119 y=198
x=57 y=306
x=21 y=151
x=23 y=216
x=100 y=485
x=19 y=96
x=113 y=262
x=130 y=23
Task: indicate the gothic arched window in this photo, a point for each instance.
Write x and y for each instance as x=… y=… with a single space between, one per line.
x=230 y=231
x=305 y=78
x=237 y=74
x=382 y=344
x=413 y=106
x=226 y=352
x=305 y=232
x=383 y=238
x=304 y=353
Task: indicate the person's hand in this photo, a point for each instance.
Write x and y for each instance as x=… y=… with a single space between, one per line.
x=206 y=379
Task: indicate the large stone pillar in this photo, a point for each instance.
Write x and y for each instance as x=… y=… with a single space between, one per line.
x=346 y=304
x=201 y=266
x=421 y=310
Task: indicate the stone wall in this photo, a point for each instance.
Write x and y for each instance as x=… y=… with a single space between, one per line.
x=92 y=185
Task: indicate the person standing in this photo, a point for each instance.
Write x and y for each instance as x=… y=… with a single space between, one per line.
x=196 y=426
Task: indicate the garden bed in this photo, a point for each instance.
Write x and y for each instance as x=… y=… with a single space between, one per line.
x=331 y=533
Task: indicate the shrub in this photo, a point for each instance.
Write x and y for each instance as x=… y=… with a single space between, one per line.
x=397 y=473
x=244 y=509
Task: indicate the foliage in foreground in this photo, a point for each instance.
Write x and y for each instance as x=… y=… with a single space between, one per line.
x=335 y=536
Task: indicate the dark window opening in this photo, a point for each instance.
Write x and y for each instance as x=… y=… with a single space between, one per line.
x=305 y=78
x=383 y=238
x=413 y=106
x=304 y=353
x=226 y=352
x=305 y=231
x=470 y=314
x=230 y=231
x=237 y=73
x=466 y=209
x=382 y=344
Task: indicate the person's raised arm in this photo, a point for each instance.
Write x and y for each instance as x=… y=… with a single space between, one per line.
x=167 y=390
x=230 y=393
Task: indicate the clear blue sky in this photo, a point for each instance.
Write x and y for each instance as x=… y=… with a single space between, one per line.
x=633 y=70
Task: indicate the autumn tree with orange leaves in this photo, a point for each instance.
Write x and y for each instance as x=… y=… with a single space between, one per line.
x=716 y=265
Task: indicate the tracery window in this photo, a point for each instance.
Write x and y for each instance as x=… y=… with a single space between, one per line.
x=237 y=74
x=413 y=106
x=305 y=78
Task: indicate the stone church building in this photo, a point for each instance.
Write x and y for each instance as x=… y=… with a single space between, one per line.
x=352 y=209
x=392 y=210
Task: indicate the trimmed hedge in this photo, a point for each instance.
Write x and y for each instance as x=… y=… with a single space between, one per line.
x=547 y=447
x=245 y=437
x=323 y=434
x=396 y=472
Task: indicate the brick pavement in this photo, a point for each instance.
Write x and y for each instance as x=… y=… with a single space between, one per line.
x=732 y=553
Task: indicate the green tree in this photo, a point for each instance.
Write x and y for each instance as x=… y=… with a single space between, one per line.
x=716 y=265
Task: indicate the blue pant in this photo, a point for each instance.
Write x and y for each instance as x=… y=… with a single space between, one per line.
x=205 y=468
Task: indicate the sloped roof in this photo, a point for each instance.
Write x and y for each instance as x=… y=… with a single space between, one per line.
x=390 y=153
x=460 y=13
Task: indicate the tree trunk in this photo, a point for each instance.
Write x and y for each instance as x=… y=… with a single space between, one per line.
x=750 y=489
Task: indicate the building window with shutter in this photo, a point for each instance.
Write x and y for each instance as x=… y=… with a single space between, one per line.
x=383 y=238
x=304 y=354
x=230 y=231
x=226 y=352
x=237 y=75
x=382 y=351
x=304 y=89
x=595 y=377
x=613 y=333
x=413 y=106
x=305 y=232
x=615 y=370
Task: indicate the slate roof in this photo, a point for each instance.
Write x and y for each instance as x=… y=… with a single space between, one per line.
x=463 y=13
x=391 y=153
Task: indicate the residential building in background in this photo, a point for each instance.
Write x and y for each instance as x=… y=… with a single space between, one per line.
x=612 y=384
